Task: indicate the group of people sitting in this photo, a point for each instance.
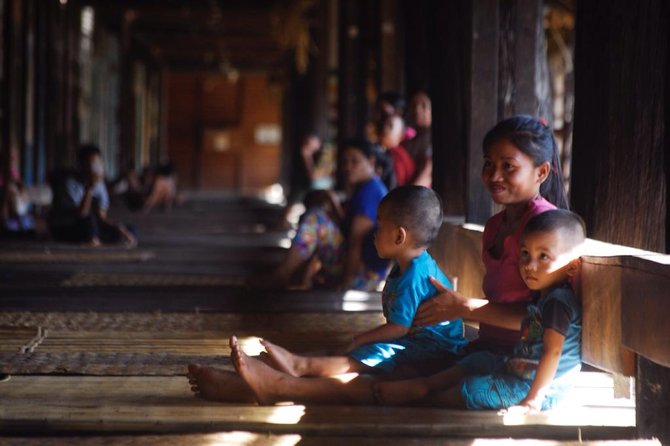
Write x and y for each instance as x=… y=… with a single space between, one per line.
x=527 y=352
x=333 y=245
x=78 y=212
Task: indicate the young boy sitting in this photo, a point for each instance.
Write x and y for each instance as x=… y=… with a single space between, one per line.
x=548 y=353
x=409 y=218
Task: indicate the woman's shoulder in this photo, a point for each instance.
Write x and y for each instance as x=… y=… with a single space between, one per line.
x=374 y=187
x=538 y=205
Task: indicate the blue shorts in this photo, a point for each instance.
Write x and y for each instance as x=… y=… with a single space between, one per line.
x=488 y=386
x=386 y=356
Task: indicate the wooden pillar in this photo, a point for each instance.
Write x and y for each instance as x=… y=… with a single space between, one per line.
x=523 y=71
x=415 y=28
x=449 y=40
x=392 y=50
x=127 y=101
x=619 y=176
x=41 y=88
x=483 y=102
x=305 y=103
x=12 y=93
x=352 y=107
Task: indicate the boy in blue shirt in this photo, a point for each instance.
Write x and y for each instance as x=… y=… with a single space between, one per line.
x=408 y=220
x=547 y=355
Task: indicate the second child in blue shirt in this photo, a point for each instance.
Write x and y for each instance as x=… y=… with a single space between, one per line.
x=408 y=220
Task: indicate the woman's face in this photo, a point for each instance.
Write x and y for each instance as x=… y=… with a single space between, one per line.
x=510 y=175
x=421 y=110
x=356 y=167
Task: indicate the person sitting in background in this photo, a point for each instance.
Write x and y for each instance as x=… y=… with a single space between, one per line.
x=322 y=240
x=391 y=133
x=155 y=187
x=81 y=202
x=420 y=146
x=17 y=221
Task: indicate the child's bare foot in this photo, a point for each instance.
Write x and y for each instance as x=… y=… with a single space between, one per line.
x=94 y=242
x=219 y=385
x=398 y=392
x=263 y=380
x=282 y=359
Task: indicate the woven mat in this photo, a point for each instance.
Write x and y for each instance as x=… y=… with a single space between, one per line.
x=17 y=339
x=163 y=322
x=85 y=279
x=138 y=364
x=80 y=256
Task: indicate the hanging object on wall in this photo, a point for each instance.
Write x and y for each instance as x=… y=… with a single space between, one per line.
x=292 y=30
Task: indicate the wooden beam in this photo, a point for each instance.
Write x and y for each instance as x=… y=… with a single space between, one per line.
x=483 y=102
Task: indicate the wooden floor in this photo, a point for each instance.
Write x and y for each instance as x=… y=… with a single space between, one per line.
x=96 y=342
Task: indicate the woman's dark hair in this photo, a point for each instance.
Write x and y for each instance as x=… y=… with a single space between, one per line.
x=393 y=98
x=360 y=144
x=534 y=138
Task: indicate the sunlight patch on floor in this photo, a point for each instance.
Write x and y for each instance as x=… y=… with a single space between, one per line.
x=247 y=439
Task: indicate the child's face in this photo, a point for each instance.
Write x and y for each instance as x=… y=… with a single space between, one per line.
x=546 y=259
x=510 y=175
x=386 y=236
x=391 y=132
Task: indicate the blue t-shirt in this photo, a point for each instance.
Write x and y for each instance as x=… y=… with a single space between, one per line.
x=404 y=293
x=561 y=311
x=364 y=202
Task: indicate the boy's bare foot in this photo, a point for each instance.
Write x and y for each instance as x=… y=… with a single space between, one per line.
x=263 y=380
x=398 y=392
x=282 y=359
x=219 y=385
x=94 y=242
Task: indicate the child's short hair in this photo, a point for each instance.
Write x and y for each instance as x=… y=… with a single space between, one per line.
x=416 y=208
x=86 y=151
x=570 y=224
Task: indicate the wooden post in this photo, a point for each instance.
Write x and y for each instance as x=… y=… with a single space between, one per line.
x=13 y=111
x=483 y=102
x=352 y=71
x=523 y=71
x=415 y=26
x=391 y=48
x=449 y=37
x=619 y=180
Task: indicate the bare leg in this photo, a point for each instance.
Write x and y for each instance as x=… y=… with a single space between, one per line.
x=296 y=365
x=219 y=385
x=290 y=265
x=270 y=385
x=399 y=392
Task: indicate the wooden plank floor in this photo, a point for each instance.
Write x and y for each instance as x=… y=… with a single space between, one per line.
x=165 y=405
x=109 y=338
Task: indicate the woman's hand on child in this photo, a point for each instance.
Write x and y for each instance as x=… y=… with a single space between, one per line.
x=447 y=304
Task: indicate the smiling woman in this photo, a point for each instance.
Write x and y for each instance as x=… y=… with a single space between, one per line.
x=522 y=173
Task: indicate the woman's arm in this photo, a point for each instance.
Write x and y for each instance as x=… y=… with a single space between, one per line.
x=449 y=304
x=387 y=332
x=424 y=176
x=545 y=372
x=360 y=227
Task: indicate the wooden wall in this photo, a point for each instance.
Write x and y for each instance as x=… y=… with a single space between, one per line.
x=203 y=108
x=621 y=145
